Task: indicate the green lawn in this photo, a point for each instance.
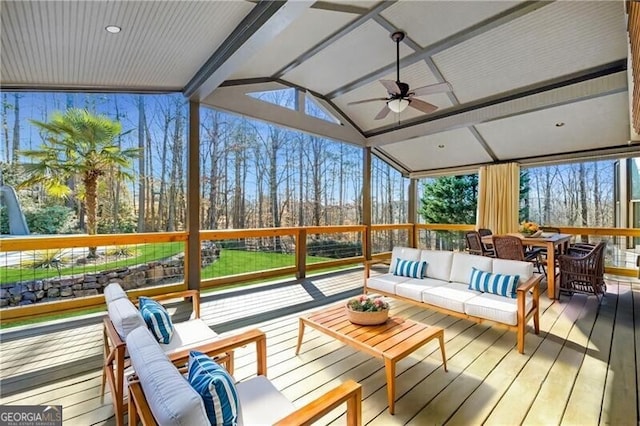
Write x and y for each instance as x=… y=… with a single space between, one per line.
x=144 y=253
x=234 y=262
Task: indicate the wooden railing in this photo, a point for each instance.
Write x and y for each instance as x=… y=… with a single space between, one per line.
x=294 y=244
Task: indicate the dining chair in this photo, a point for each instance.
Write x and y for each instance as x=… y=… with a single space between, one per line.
x=511 y=247
x=582 y=272
x=484 y=232
x=475 y=246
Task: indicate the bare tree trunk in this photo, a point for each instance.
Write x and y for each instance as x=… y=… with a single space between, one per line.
x=546 y=216
x=176 y=169
x=5 y=128
x=141 y=169
x=341 y=186
x=163 y=221
x=150 y=181
x=90 y=180
x=582 y=176
x=301 y=184
x=16 y=127
x=597 y=203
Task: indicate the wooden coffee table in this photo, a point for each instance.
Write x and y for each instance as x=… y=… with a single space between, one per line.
x=391 y=341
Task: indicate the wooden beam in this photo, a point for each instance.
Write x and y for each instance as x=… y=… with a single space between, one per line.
x=192 y=254
x=366 y=201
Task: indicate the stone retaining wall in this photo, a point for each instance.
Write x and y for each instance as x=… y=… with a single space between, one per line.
x=55 y=289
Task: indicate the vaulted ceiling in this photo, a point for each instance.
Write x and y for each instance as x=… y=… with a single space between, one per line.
x=531 y=81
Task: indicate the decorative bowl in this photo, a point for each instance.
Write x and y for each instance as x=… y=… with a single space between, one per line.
x=533 y=235
x=367 y=318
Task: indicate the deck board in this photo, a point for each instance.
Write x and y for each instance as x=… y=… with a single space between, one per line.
x=581 y=369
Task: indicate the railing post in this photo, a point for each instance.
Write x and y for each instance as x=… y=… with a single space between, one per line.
x=301 y=254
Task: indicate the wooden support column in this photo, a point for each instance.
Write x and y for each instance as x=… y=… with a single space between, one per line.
x=301 y=254
x=412 y=214
x=366 y=201
x=192 y=256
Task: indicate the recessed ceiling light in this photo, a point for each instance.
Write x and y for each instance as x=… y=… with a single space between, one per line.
x=560 y=124
x=113 y=29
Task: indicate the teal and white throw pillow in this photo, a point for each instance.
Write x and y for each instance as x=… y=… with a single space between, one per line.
x=157 y=319
x=410 y=268
x=500 y=284
x=216 y=387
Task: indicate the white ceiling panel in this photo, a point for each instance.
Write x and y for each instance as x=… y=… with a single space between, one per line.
x=363 y=50
x=441 y=19
x=591 y=124
x=416 y=75
x=452 y=148
x=297 y=38
x=160 y=41
x=555 y=40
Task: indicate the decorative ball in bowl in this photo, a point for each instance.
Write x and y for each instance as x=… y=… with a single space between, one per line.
x=365 y=310
x=529 y=229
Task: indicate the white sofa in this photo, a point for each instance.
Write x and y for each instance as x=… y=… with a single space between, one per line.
x=445 y=287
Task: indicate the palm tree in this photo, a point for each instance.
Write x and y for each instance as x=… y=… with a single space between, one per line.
x=78 y=143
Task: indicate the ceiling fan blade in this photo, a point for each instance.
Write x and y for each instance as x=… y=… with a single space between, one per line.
x=391 y=86
x=432 y=88
x=423 y=106
x=367 y=100
x=383 y=112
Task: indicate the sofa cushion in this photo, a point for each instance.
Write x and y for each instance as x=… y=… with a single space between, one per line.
x=157 y=318
x=188 y=334
x=261 y=403
x=513 y=267
x=496 y=308
x=124 y=316
x=405 y=253
x=170 y=397
x=439 y=262
x=500 y=284
x=113 y=291
x=410 y=268
x=462 y=264
x=385 y=282
x=451 y=296
x=216 y=387
x=413 y=288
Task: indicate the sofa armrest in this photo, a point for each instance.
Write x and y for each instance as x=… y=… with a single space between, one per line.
x=532 y=283
x=227 y=345
x=349 y=392
x=384 y=260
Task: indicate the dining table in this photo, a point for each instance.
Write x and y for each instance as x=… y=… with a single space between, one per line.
x=554 y=243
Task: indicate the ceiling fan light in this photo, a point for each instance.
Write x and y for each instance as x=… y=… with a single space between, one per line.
x=398 y=105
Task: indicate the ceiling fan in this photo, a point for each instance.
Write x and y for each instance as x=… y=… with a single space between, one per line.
x=400 y=95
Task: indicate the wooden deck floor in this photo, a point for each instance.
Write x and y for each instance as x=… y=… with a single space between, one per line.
x=581 y=369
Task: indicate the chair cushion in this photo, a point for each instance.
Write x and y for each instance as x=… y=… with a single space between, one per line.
x=217 y=388
x=462 y=264
x=189 y=334
x=261 y=403
x=112 y=292
x=439 y=262
x=124 y=316
x=157 y=318
x=410 y=268
x=405 y=253
x=451 y=296
x=385 y=282
x=496 y=308
x=513 y=267
x=170 y=397
x=500 y=284
x=413 y=288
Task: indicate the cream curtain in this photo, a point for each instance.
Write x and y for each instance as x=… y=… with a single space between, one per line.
x=499 y=197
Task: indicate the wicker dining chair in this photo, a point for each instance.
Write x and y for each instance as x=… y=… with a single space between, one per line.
x=484 y=232
x=583 y=273
x=475 y=246
x=511 y=247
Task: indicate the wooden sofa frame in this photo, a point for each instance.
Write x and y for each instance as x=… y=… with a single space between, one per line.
x=116 y=362
x=533 y=285
x=348 y=392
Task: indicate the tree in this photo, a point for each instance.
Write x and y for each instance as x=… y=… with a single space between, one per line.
x=78 y=143
x=450 y=199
